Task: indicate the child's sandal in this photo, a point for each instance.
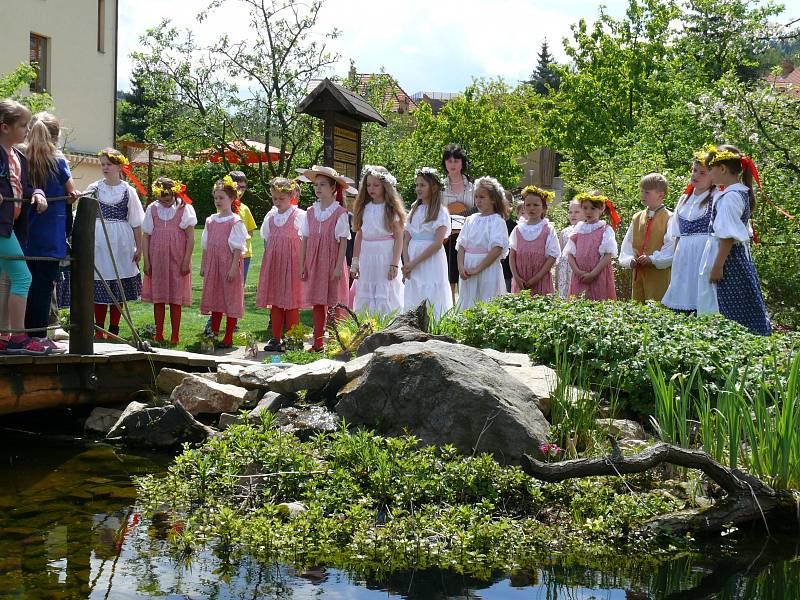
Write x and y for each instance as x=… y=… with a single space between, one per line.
x=273 y=346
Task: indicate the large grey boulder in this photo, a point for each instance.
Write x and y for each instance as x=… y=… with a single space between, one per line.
x=198 y=395
x=445 y=394
x=157 y=426
x=168 y=379
x=256 y=377
x=101 y=420
x=312 y=377
x=411 y=326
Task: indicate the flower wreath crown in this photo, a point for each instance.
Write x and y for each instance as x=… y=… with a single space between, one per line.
x=592 y=198
x=117 y=159
x=228 y=182
x=491 y=182
x=428 y=171
x=373 y=170
x=532 y=189
x=700 y=156
x=160 y=190
x=293 y=187
x=715 y=155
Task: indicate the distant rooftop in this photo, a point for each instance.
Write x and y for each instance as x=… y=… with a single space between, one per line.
x=435 y=95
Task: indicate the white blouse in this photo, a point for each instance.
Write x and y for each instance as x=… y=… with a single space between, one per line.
x=728 y=220
x=280 y=219
x=167 y=213
x=113 y=194
x=484 y=231
x=531 y=232
x=372 y=224
x=342 y=229
x=418 y=227
x=662 y=258
x=237 y=240
x=467 y=197
x=608 y=245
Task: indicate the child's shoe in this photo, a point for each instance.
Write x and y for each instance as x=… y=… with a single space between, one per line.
x=25 y=345
x=55 y=347
x=274 y=346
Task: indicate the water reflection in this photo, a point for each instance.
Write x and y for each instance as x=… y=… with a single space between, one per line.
x=69 y=529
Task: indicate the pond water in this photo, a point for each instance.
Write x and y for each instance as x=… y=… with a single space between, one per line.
x=69 y=528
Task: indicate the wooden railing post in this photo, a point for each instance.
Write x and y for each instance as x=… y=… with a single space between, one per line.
x=81 y=308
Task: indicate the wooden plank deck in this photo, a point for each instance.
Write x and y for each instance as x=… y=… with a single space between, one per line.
x=110 y=376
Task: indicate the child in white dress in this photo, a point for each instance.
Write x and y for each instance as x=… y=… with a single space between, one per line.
x=424 y=258
x=378 y=218
x=483 y=241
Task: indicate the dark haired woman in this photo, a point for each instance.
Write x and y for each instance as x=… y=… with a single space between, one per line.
x=458 y=195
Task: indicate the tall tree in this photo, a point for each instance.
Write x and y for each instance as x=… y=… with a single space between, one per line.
x=133 y=108
x=545 y=77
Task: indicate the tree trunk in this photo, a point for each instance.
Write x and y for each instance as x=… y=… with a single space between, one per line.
x=748 y=498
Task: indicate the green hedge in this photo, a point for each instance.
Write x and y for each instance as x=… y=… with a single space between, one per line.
x=616 y=339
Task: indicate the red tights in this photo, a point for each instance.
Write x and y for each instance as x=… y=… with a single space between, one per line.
x=283 y=316
x=230 y=326
x=319 y=316
x=100 y=311
x=159 y=310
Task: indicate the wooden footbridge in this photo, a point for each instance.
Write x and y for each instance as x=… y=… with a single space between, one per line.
x=91 y=373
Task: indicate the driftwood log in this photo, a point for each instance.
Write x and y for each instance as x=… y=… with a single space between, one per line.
x=747 y=499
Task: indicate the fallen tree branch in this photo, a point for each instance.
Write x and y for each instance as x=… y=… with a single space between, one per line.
x=748 y=498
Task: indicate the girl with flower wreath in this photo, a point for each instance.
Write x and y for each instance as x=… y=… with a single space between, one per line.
x=123 y=214
x=378 y=219
x=533 y=245
x=728 y=282
x=688 y=232
x=591 y=249
x=168 y=229
x=424 y=258
x=224 y=241
x=563 y=270
x=279 y=284
x=483 y=241
x=325 y=232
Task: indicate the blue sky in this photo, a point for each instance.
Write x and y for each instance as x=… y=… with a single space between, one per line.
x=424 y=44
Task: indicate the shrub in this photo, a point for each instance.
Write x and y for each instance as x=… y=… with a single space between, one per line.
x=615 y=340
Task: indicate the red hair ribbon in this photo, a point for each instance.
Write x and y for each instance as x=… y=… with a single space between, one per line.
x=340 y=193
x=183 y=195
x=128 y=170
x=748 y=164
x=614 y=216
x=689 y=190
x=235 y=205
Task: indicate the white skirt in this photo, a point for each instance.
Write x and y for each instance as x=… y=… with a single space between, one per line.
x=120 y=235
x=682 y=292
x=707 y=291
x=428 y=281
x=375 y=293
x=484 y=286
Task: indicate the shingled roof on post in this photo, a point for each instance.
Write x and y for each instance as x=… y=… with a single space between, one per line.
x=328 y=96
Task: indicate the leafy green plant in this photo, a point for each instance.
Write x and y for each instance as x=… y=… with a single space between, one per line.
x=299 y=357
x=296 y=335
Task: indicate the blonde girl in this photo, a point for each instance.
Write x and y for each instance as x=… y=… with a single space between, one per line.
x=378 y=219
x=168 y=245
x=483 y=241
x=533 y=244
x=563 y=270
x=424 y=257
x=224 y=242
x=279 y=284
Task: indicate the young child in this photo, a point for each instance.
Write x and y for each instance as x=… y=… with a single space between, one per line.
x=168 y=228
x=424 y=257
x=563 y=270
x=647 y=248
x=14 y=183
x=688 y=231
x=224 y=242
x=534 y=245
x=512 y=216
x=325 y=232
x=378 y=219
x=247 y=218
x=590 y=250
x=483 y=241
x=123 y=215
x=279 y=284
x=47 y=231
x=728 y=280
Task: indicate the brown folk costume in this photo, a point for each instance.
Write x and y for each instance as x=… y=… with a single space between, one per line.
x=649 y=283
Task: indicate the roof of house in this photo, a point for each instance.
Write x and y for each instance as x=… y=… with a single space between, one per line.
x=400 y=101
x=319 y=100
x=789 y=82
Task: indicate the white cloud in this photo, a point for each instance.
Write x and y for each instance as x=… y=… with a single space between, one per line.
x=435 y=45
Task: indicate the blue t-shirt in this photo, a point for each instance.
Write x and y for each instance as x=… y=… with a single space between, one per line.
x=47 y=232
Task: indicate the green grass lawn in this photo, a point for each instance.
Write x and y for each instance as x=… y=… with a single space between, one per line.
x=255 y=320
